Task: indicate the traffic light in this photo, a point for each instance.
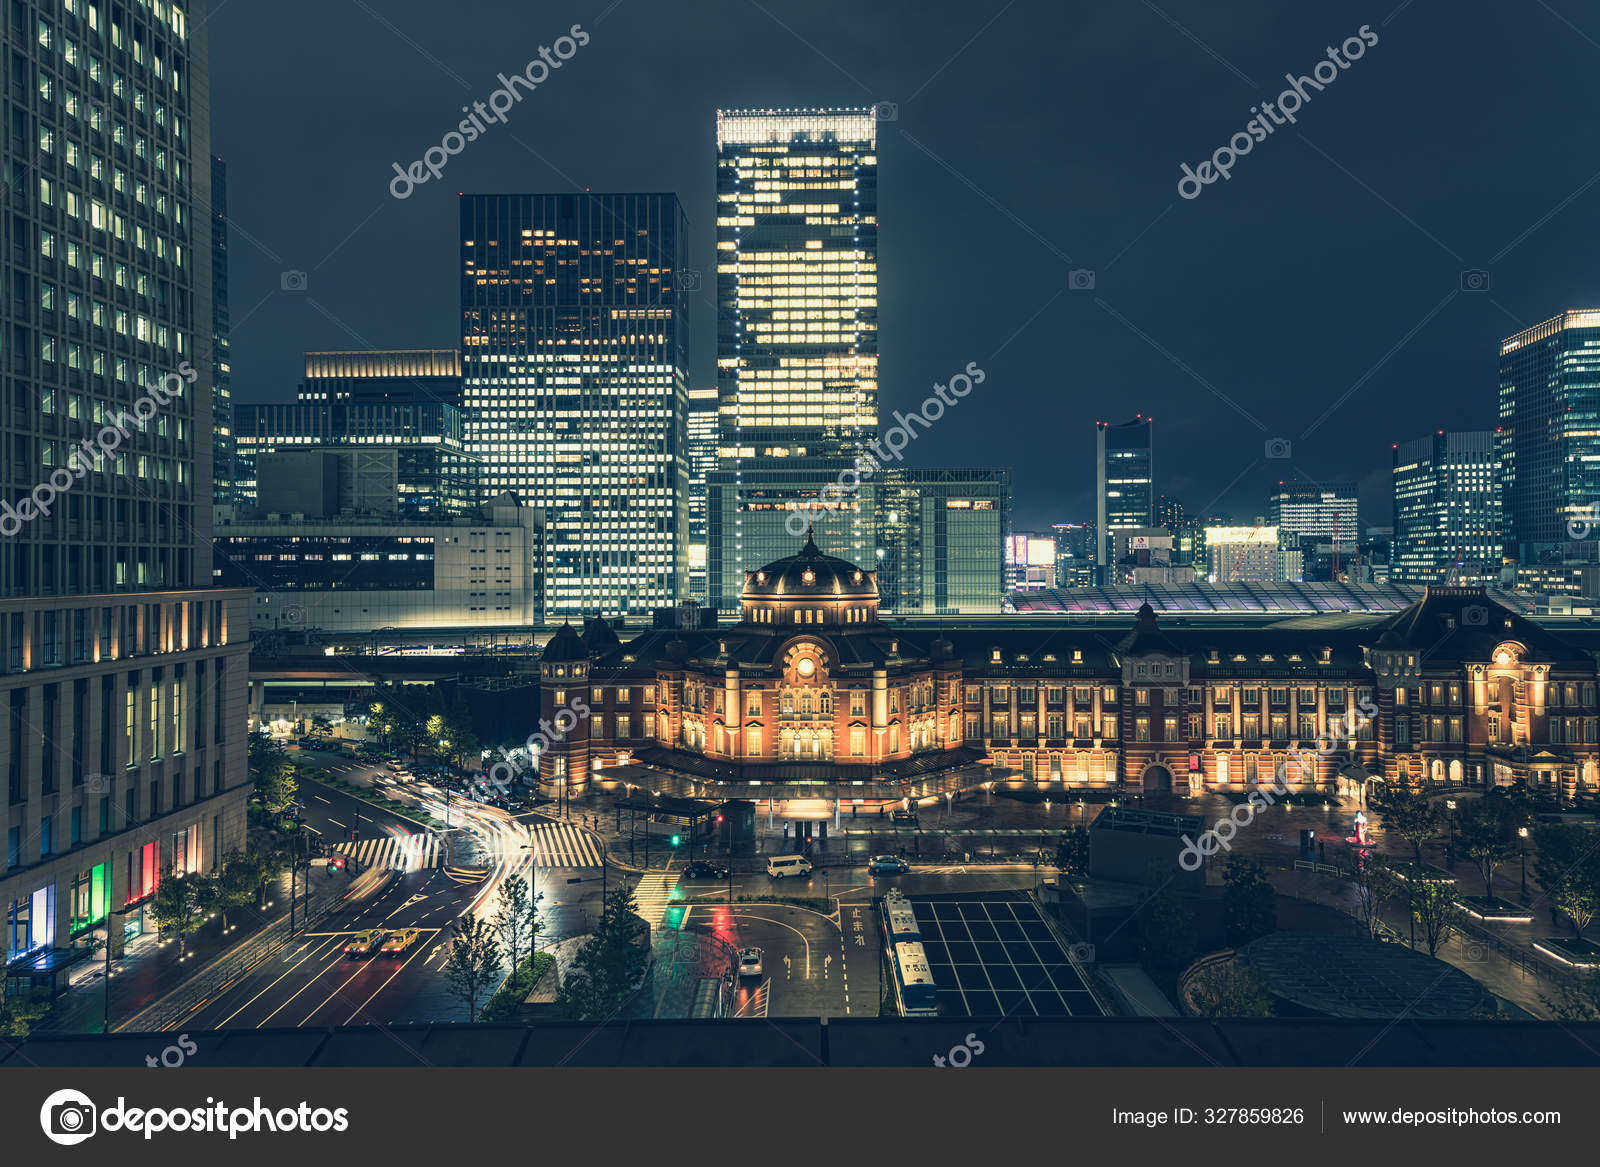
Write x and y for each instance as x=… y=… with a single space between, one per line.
x=676 y=839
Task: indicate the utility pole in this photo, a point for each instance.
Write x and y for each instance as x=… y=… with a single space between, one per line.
x=294 y=856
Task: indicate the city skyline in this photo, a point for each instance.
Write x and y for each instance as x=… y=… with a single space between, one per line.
x=1421 y=341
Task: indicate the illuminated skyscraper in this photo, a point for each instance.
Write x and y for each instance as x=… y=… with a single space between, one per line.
x=573 y=350
x=123 y=676
x=1446 y=510
x=1549 y=435
x=797 y=336
x=1124 y=487
x=702 y=436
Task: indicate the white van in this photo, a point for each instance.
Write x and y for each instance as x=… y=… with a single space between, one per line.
x=782 y=865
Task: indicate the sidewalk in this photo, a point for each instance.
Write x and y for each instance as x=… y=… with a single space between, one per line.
x=149 y=969
x=592 y=811
x=1486 y=966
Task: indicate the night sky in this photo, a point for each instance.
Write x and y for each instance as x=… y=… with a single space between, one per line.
x=1315 y=296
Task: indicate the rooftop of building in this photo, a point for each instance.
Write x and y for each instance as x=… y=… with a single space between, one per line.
x=865 y=1041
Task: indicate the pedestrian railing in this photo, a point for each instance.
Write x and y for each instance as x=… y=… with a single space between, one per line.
x=182 y=1002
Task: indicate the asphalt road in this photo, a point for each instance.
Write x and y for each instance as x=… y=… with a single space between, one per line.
x=814 y=963
x=312 y=982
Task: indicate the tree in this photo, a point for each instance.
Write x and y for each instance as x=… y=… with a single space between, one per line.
x=1230 y=990
x=1166 y=938
x=177 y=904
x=1072 y=853
x=1434 y=909
x=1249 y=903
x=1567 y=864
x=1375 y=885
x=268 y=861
x=236 y=884
x=473 y=966
x=452 y=737
x=1486 y=833
x=517 y=919
x=609 y=967
x=275 y=783
x=17 y=1013
x=1413 y=817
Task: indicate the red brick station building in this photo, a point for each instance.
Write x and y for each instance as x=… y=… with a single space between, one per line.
x=811 y=697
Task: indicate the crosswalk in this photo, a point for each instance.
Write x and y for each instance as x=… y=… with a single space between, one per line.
x=652 y=894
x=408 y=853
x=564 y=845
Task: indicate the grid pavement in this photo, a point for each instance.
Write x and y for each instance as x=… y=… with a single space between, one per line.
x=995 y=956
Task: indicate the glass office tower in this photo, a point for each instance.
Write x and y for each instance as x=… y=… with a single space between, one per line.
x=1125 y=476
x=573 y=355
x=797 y=334
x=122 y=676
x=222 y=491
x=941 y=540
x=1549 y=436
x=1446 y=510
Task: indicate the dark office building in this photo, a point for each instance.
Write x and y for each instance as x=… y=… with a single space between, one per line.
x=574 y=345
x=941 y=540
x=421 y=447
x=222 y=491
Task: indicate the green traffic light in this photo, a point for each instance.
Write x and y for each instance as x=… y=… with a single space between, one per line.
x=676 y=839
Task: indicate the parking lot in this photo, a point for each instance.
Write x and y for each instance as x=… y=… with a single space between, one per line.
x=991 y=955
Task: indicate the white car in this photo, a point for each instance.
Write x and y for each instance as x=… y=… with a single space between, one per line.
x=750 y=962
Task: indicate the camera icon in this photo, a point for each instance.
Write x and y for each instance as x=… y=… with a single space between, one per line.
x=1474 y=279
x=1582 y=523
x=1474 y=616
x=687 y=615
x=1279 y=448
x=1080 y=279
x=67 y=1117
x=294 y=614
x=292 y=281
x=887 y=111
x=1474 y=952
x=1081 y=953
x=688 y=280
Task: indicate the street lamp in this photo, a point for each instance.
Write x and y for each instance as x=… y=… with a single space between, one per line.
x=1450 y=817
x=1522 y=833
x=533 y=877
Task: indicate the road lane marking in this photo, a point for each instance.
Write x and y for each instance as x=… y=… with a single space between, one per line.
x=422 y=947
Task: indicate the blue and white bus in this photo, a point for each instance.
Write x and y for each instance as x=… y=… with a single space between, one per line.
x=901 y=922
x=913 y=981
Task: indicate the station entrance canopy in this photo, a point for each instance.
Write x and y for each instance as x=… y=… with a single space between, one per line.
x=660 y=781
